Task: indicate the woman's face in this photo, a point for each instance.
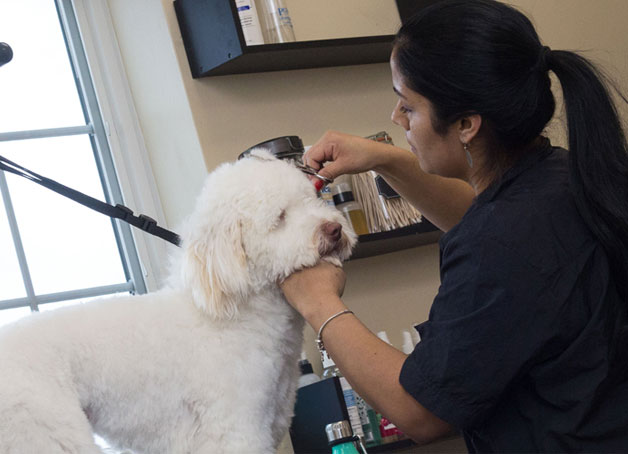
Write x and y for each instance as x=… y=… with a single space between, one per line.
x=438 y=154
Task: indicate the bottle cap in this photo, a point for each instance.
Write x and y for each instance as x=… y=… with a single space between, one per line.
x=305 y=367
x=338 y=430
x=343 y=197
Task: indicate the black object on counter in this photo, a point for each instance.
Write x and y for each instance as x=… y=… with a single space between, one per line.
x=317 y=405
x=286 y=147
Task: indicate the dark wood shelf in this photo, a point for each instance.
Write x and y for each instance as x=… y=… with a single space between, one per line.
x=396 y=240
x=215 y=45
x=307 y=55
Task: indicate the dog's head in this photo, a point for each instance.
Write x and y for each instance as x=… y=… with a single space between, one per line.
x=256 y=221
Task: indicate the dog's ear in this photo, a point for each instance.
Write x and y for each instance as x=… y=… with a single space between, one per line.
x=214 y=268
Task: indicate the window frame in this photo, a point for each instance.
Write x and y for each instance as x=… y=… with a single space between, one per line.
x=122 y=159
x=128 y=148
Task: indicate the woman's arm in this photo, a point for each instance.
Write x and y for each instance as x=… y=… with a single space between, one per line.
x=441 y=200
x=369 y=364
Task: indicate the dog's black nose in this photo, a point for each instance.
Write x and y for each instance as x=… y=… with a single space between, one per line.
x=333 y=230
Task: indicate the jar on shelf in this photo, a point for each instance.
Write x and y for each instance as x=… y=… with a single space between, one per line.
x=345 y=202
x=276 y=22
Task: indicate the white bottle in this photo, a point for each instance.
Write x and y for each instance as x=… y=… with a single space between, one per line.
x=408 y=345
x=383 y=336
x=307 y=373
x=277 y=22
x=416 y=337
x=331 y=370
x=249 y=21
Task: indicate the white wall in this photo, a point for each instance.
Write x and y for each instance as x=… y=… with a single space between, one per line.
x=161 y=102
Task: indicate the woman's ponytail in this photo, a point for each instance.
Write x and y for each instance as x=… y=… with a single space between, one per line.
x=598 y=157
x=485 y=57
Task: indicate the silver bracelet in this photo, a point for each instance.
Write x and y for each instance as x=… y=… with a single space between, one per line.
x=319 y=338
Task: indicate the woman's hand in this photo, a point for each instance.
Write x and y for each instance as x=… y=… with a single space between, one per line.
x=315 y=292
x=345 y=153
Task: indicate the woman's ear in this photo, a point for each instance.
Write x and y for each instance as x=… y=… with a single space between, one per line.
x=469 y=127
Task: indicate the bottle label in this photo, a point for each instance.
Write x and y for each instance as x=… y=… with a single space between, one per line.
x=352 y=408
x=249 y=22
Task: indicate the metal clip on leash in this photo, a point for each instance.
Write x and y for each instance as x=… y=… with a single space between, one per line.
x=118 y=211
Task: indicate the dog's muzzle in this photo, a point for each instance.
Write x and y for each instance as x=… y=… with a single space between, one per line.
x=331 y=238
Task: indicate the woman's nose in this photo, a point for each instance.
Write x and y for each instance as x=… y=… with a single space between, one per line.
x=395 y=117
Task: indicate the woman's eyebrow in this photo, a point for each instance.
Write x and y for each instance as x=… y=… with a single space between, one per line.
x=398 y=93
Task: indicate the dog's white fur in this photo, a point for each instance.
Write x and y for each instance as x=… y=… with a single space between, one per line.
x=206 y=365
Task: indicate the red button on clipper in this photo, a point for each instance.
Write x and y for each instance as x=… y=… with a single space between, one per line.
x=318 y=184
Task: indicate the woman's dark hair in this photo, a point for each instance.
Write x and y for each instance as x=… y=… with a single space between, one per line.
x=485 y=57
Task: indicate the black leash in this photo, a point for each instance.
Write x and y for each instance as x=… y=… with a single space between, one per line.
x=118 y=211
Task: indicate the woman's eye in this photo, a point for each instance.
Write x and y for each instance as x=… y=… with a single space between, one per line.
x=404 y=109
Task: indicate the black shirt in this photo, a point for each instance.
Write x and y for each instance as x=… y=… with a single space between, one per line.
x=518 y=352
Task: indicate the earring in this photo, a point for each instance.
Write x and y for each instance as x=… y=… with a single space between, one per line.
x=467 y=154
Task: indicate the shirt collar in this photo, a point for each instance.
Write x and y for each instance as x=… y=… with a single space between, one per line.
x=537 y=154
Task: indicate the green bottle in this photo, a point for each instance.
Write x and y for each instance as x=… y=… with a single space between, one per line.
x=341 y=438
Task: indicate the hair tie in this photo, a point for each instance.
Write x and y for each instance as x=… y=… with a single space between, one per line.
x=542 y=62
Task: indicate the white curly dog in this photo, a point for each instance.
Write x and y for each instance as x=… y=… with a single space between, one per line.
x=207 y=365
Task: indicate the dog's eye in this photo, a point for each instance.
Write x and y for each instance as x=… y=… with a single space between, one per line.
x=282 y=216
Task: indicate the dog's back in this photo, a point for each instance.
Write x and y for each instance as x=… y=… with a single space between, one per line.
x=144 y=372
x=210 y=367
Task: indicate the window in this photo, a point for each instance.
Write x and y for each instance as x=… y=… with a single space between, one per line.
x=52 y=250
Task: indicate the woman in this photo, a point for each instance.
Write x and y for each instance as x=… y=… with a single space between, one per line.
x=525 y=346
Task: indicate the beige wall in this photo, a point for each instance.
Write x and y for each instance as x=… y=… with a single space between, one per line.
x=187 y=122
x=592 y=28
x=191 y=126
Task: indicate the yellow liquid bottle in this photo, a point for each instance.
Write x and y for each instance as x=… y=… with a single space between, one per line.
x=345 y=202
x=358 y=220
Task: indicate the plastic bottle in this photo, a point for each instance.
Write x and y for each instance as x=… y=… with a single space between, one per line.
x=307 y=373
x=250 y=23
x=277 y=22
x=329 y=367
x=383 y=336
x=370 y=424
x=416 y=337
x=339 y=436
x=373 y=419
x=345 y=202
x=331 y=370
x=326 y=196
x=388 y=431
x=408 y=345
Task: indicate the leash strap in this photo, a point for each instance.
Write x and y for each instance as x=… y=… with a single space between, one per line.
x=118 y=211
